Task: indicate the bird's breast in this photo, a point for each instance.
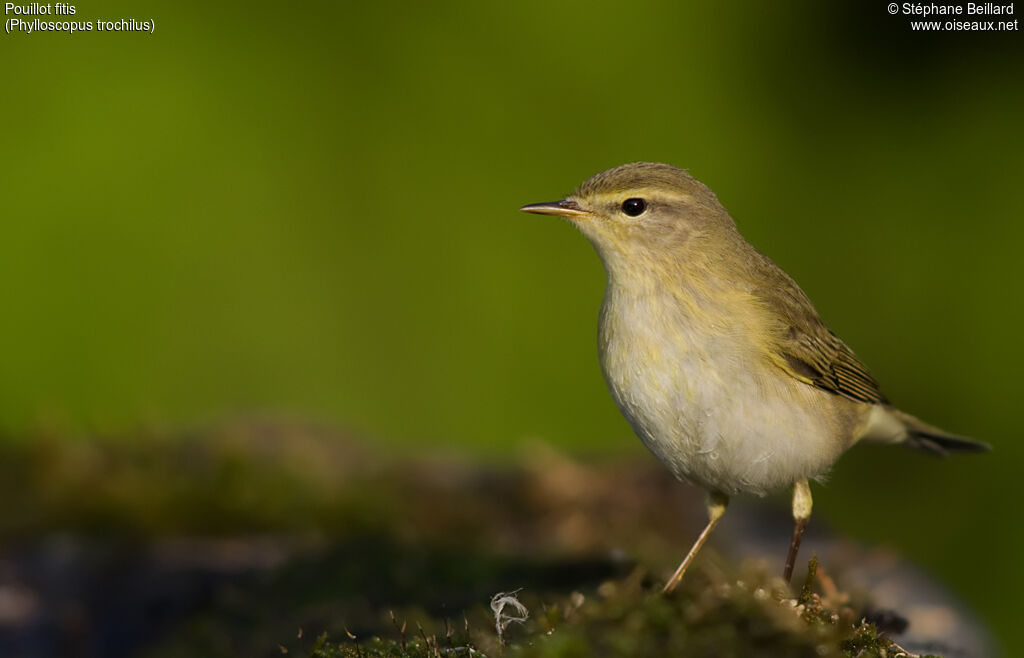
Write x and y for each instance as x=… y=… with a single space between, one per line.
x=697 y=389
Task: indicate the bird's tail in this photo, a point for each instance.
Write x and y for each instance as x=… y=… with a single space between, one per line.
x=931 y=439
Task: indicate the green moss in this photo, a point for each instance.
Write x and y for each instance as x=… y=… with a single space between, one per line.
x=400 y=559
x=808 y=588
x=716 y=615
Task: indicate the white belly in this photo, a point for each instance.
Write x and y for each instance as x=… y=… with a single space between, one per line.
x=709 y=406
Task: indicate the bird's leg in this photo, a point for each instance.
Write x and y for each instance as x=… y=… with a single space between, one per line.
x=801 y=514
x=716 y=507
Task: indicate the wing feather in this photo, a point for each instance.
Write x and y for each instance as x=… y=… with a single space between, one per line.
x=804 y=347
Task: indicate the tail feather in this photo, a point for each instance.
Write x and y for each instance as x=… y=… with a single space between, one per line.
x=934 y=441
x=941 y=445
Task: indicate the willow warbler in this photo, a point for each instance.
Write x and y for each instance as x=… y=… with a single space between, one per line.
x=715 y=356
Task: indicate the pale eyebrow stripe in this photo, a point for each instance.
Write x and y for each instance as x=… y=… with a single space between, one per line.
x=649 y=194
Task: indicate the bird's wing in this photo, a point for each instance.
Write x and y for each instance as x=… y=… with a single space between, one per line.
x=822 y=360
x=806 y=349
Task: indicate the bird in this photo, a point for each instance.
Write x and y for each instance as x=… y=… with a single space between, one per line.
x=716 y=357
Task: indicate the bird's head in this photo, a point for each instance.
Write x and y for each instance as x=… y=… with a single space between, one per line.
x=643 y=211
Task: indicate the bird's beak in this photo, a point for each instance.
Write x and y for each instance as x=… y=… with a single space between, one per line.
x=564 y=208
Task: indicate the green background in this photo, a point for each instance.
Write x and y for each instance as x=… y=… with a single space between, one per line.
x=312 y=210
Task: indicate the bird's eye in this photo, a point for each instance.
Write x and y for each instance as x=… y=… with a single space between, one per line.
x=634 y=207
